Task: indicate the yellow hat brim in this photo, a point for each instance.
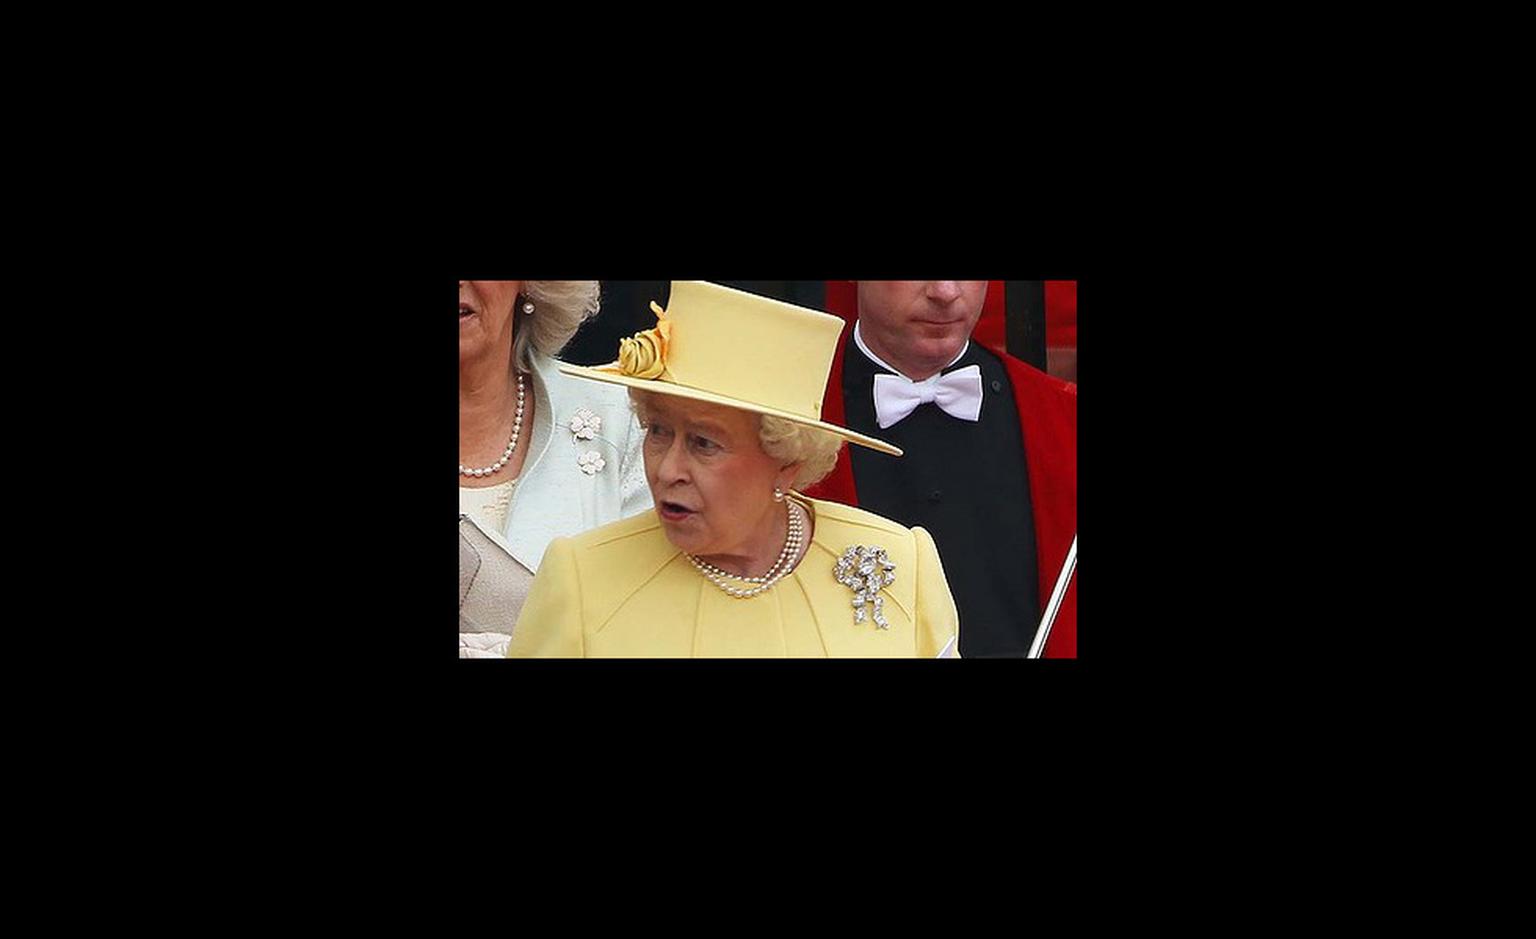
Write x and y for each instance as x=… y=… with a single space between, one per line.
x=709 y=397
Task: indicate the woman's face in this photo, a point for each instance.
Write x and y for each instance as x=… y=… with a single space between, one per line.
x=486 y=317
x=710 y=479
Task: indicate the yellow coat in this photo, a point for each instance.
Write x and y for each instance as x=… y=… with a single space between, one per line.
x=624 y=590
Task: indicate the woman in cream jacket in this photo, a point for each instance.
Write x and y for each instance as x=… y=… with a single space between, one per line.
x=540 y=454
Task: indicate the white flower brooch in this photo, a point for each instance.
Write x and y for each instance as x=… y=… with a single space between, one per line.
x=866 y=570
x=590 y=462
x=585 y=424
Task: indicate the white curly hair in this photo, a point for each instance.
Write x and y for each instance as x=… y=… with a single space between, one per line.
x=813 y=448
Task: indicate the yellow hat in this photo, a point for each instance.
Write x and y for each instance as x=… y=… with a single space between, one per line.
x=729 y=347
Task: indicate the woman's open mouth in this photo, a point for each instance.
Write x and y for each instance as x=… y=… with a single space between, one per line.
x=672 y=511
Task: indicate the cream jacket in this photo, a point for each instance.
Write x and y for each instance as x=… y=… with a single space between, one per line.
x=555 y=495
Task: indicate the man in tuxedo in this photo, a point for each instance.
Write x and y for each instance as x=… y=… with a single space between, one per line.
x=991 y=456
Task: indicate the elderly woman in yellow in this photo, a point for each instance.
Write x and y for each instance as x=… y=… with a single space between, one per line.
x=734 y=561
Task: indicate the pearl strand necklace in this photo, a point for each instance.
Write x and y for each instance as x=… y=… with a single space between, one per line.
x=517 y=428
x=777 y=572
x=790 y=542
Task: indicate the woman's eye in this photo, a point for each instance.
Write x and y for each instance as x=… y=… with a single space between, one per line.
x=705 y=444
x=658 y=431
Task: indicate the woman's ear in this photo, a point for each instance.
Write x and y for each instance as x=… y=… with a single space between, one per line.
x=786 y=475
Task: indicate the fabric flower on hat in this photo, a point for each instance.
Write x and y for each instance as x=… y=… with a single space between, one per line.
x=645 y=356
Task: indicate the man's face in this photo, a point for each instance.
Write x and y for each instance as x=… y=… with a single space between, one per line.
x=919 y=326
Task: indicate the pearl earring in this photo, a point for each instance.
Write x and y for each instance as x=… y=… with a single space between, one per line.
x=778 y=494
x=528 y=308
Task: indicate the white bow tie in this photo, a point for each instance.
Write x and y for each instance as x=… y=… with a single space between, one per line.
x=958 y=394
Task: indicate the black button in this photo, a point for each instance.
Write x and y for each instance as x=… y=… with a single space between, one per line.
x=935 y=496
x=997 y=385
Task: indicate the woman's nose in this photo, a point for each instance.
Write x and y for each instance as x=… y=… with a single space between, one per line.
x=673 y=467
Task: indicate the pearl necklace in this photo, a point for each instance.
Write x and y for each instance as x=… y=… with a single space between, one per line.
x=780 y=568
x=517 y=428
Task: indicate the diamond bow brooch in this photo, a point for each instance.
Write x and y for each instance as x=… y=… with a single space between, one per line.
x=866 y=570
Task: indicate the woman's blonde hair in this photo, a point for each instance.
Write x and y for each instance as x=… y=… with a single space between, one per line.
x=559 y=307
x=813 y=448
